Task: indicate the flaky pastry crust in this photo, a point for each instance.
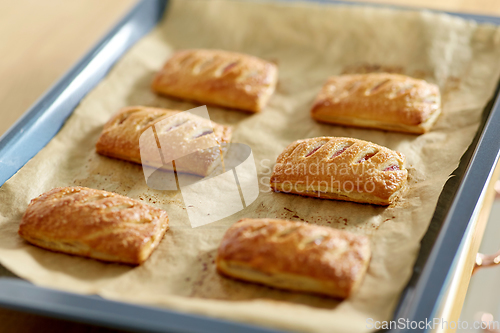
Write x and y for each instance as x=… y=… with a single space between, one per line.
x=340 y=168
x=218 y=77
x=384 y=101
x=95 y=224
x=121 y=135
x=294 y=255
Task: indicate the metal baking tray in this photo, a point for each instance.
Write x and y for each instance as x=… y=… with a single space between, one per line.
x=442 y=244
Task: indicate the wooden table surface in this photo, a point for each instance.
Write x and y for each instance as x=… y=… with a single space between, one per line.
x=41 y=40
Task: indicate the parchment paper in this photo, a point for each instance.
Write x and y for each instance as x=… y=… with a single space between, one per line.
x=309 y=42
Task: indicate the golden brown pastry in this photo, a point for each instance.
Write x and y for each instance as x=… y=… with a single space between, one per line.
x=218 y=77
x=294 y=255
x=178 y=133
x=340 y=168
x=384 y=101
x=95 y=224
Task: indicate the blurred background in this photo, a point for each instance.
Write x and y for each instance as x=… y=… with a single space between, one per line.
x=483 y=296
x=41 y=40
